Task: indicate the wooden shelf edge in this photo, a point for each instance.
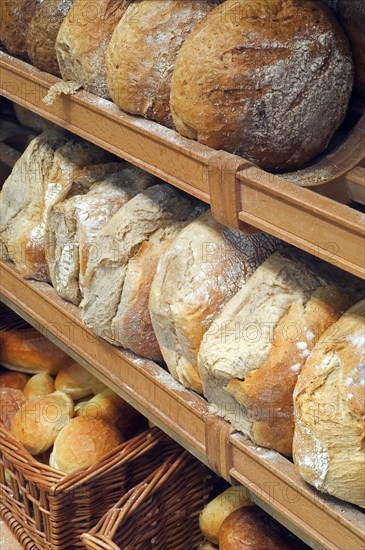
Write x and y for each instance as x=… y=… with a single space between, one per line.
x=185 y=417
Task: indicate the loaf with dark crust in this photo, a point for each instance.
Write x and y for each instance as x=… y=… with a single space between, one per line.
x=14 y=21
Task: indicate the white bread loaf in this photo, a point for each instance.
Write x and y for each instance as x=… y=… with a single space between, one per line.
x=142 y=52
x=44 y=175
x=329 y=404
x=73 y=224
x=160 y=209
x=216 y=511
x=267 y=80
x=83 y=39
x=252 y=354
x=198 y=274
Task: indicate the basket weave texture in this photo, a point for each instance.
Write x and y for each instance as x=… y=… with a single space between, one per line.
x=161 y=513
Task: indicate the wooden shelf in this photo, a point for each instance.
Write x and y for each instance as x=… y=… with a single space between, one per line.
x=322 y=522
x=315 y=219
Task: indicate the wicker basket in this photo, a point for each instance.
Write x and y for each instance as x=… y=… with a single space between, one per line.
x=47 y=509
x=161 y=513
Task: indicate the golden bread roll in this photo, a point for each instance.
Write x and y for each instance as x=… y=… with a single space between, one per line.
x=216 y=511
x=249 y=529
x=16 y=380
x=29 y=351
x=75 y=381
x=97 y=386
x=37 y=422
x=208 y=546
x=11 y=400
x=83 y=442
x=111 y=408
x=39 y=385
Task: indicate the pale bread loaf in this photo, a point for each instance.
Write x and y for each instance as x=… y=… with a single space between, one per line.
x=159 y=208
x=329 y=403
x=142 y=52
x=83 y=39
x=198 y=274
x=252 y=354
x=269 y=80
x=73 y=224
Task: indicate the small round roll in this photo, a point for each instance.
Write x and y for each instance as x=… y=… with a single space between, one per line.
x=16 y=380
x=29 y=351
x=75 y=381
x=84 y=441
x=39 y=385
x=11 y=400
x=37 y=422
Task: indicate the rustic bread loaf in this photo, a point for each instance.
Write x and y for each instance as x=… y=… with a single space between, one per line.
x=142 y=52
x=73 y=224
x=160 y=209
x=30 y=352
x=83 y=39
x=14 y=21
x=198 y=274
x=268 y=80
x=42 y=34
x=47 y=171
x=329 y=404
x=351 y=15
x=251 y=356
x=32 y=120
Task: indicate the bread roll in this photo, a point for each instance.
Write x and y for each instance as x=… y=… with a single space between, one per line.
x=11 y=400
x=249 y=529
x=74 y=223
x=160 y=211
x=74 y=380
x=42 y=34
x=111 y=408
x=216 y=511
x=37 y=422
x=49 y=169
x=251 y=356
x=97 y=386
x=208 y=546
x=29 y=351
x=270 y=81
x=83 y=39
x=15 y=380
x=14 y=21
x=142 y=52
x=329 y=403
x=202 y=269
x=351 y=15
x=38 y=386
x=98 y=439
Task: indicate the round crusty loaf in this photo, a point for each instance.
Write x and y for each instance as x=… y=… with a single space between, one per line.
x=351 y=15
x=16 y=380
x=218 y=509
x=329 y=406
x=37 y=422
x=11 y=400
x=82 y=443
x=143 y=50
x=83 y=39
x=74 y=380
x=39 y=385
x=42 y=34
x=29 y=351
x=14 y=21
x=248 y=528
x=269 y=80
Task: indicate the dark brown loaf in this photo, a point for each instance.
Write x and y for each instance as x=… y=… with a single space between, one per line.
x=143 y=50
x=15 y=18
x=268 y=80
x=42 y=34
x=351 y=15
x=83 y=39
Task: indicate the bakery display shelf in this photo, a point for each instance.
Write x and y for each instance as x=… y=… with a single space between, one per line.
x=320 y=521
x=316 y=219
